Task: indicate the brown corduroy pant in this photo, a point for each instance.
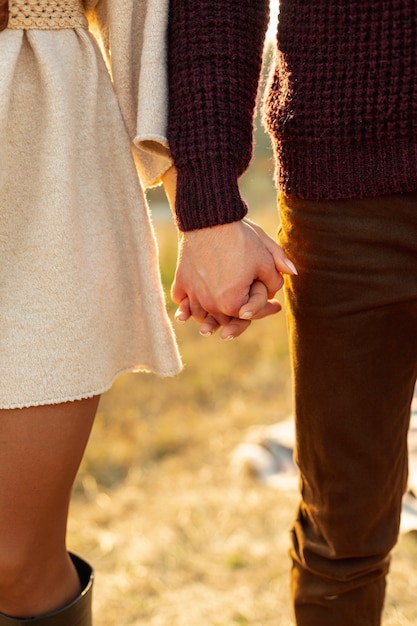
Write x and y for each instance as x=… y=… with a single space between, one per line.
x=353 y=331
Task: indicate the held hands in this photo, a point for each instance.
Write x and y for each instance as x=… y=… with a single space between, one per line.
x=227 y=275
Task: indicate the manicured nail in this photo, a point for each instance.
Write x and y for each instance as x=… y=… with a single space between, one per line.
x=291 y=266
x=246 y=315
x=206 y=333
x=179 y=318
x=229 y=338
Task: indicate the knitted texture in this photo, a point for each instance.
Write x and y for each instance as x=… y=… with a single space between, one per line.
x=46 y=14
x=342 y=106
x=214 y=63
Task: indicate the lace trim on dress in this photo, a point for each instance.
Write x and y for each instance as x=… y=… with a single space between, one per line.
x=46 y=14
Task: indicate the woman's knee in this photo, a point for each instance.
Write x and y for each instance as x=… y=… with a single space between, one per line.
x=38 y=466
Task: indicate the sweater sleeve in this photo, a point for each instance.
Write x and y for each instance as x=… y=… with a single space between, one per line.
x=133 y=38
x=215 y=57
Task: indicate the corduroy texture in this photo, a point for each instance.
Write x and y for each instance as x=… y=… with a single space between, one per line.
x=214 y=63
x=80 y=294
x=352 y=313
x=341 y=104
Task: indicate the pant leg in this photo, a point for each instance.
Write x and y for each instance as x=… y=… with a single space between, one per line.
x=353 y=330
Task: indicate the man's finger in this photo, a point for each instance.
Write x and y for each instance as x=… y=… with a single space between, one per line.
x=271 y=308
x=258 y=298
x=234 y=328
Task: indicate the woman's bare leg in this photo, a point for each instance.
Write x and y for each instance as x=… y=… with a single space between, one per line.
x=40 y=451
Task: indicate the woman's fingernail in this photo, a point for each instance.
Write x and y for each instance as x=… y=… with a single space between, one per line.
x=291 y=266
x=179 y=318
x=229 y=338
x=246 y=315
x=206 y=333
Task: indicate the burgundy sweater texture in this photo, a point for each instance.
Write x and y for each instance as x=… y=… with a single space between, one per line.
x=341 y=106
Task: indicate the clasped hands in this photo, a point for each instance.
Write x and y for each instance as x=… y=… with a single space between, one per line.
x=227 y=276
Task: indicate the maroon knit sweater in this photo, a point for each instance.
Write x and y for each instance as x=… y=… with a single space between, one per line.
x=341 y=108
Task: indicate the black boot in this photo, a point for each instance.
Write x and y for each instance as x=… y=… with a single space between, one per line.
x=78 y=613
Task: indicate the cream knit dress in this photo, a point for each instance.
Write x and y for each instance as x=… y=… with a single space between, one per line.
x=80 y=293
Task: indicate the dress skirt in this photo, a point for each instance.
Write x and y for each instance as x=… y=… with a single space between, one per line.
x=80 y=293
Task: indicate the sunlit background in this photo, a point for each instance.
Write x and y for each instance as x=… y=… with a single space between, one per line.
x=273 y=21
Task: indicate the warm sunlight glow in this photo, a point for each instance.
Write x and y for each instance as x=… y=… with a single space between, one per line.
x=272 y=30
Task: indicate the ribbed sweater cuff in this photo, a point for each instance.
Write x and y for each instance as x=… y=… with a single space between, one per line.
x=332 y=170
x=208 y=195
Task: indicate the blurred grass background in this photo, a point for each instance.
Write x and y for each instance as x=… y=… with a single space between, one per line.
x=178 y=539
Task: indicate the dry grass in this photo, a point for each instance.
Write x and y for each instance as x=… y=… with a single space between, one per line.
x=175 y=537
